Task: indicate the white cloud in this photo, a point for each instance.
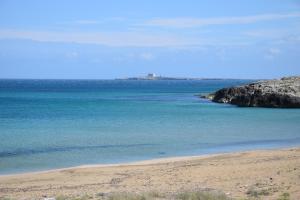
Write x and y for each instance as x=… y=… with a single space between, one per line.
x=141 y=38
x=86 y=22
x=196 y=22
x=72 y=55
x=147 y=56
x=129 y=38
x=95 y=22
x=274 y=32
x=103 y=38
x=272 y=53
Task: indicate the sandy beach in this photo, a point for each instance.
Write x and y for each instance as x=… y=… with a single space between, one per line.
x=264 y=173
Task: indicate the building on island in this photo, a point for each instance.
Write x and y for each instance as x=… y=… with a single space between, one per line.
x=151 y=76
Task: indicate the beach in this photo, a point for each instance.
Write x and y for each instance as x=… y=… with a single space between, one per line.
x=154 y=137
x=262 y=173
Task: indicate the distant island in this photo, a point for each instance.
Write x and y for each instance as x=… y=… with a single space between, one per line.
x=281 y=93
x=152 y=76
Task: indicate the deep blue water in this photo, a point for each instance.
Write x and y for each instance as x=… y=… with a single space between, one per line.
x=47 y=124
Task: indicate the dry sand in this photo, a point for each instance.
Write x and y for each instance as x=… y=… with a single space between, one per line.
x=269 y=173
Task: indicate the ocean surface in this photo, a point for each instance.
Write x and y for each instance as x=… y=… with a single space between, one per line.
x=48 y=124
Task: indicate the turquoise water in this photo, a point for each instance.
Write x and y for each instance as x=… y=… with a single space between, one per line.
x=48 y=124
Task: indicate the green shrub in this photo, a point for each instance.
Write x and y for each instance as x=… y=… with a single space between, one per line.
x=201 y=195
x=126 y=196
x=284 y=196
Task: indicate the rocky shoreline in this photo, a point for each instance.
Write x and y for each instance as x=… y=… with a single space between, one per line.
x=281 y=93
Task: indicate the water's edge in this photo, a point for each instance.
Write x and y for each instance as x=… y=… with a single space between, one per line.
x=154 y=160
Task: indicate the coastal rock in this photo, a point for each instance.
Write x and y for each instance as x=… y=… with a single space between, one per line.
x=283 y=93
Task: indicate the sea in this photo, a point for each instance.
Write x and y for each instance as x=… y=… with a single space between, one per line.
x=51 y=124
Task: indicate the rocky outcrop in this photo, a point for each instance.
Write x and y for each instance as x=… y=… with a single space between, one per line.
x=283 y=93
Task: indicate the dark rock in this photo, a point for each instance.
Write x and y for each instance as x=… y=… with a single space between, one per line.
x=283 y=93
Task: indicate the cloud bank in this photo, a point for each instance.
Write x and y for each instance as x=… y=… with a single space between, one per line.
x=196 y=22
x=153 y=37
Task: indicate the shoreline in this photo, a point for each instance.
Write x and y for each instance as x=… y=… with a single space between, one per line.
x=269 y=172
x=133 y=163
x=150 y=161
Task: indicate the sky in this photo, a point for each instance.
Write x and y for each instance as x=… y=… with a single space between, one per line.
x=98 y=39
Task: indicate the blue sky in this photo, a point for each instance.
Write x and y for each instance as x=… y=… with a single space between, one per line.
x=110 y=39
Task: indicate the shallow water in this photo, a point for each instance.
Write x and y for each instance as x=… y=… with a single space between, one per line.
x=47 y=124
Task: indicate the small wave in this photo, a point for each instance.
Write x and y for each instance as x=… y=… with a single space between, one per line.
x=20 y=152
x=250 y=143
